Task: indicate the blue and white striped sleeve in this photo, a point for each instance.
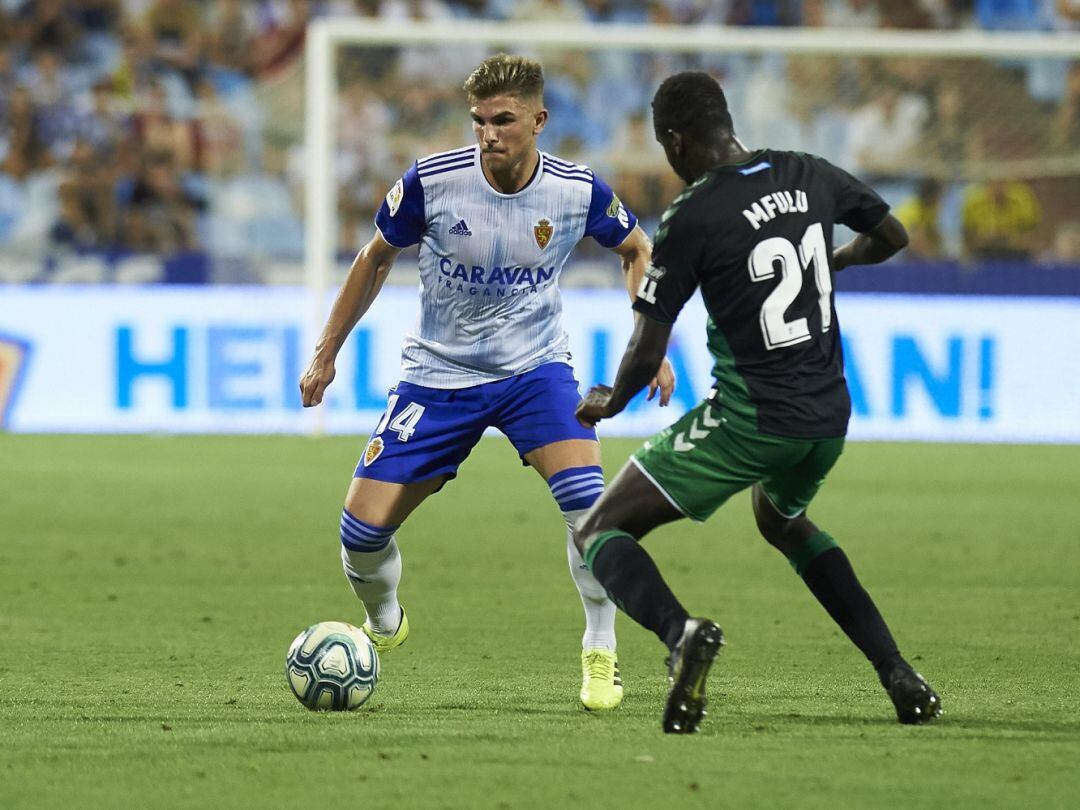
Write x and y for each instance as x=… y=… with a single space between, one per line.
x=609 y=221
x=401 y=219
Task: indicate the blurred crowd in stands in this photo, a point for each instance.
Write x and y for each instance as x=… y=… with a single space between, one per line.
x=171 y=127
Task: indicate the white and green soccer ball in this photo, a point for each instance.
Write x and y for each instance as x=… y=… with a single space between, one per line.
x=332 y=666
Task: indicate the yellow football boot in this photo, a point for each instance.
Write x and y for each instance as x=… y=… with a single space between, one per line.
x=383 y=643
x=601 y=686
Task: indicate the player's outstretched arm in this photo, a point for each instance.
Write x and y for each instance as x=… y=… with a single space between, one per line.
x=366 y=276
x=635 y=252
x=640 y=363
x=872 y=247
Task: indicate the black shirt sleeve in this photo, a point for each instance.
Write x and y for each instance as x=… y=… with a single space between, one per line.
x=672 y=277
x=857 y=205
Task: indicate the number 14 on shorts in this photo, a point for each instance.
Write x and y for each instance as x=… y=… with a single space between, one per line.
x=404 y=424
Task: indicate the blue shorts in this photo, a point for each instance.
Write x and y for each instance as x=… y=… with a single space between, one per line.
x=426 y=432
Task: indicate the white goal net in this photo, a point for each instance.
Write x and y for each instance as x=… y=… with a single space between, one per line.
x=939 y=122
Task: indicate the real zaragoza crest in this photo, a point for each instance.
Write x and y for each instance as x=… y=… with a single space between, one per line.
x=373 y=451
x=543 y=230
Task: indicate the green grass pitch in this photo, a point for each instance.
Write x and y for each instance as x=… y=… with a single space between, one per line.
x=150 y=586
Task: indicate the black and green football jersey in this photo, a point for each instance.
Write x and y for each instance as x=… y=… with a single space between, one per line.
x=757 y=239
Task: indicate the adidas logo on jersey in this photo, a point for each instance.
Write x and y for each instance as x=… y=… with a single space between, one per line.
x=461 y=229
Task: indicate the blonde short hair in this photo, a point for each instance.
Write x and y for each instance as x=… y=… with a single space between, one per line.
x=505 y=74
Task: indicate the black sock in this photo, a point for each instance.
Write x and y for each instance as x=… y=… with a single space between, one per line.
x=633 y=582
x=828 y=574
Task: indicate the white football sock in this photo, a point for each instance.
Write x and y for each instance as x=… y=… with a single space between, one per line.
x=374 y=577
x=599 y=610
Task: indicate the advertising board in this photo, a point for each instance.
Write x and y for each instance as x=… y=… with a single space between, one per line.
x=227 y=360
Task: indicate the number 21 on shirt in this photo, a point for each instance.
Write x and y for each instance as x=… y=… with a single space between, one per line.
x=792 y=262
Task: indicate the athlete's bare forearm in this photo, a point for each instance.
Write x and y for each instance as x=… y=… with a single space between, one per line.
x=635 y=253
x=872 y=247
x=642 y=359
x=366 y=276
x=640 y=362
x=363 y=283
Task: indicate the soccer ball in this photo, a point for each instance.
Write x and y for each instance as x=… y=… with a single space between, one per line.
x=332 y=666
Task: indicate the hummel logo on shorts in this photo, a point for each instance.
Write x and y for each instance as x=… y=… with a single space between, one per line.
x=461 y=229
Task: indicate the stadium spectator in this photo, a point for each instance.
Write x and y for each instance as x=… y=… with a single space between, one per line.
x=842 y=13
x=104 y=126
x=364 y=120
x=1010 y=14
x=610 y=11
x=211 y=81
x=7 y=77
x=941 y=14
x=47 y=24
x=99 y=21
x=25 y=148
x=764 y=12
x=96 y=17
x=134 y=69
x=1066 y=244
x=51 y=87
x=660 y=13
x=87 y=215
x=565 y=11
x=1066 y=129
x=904 y=14
x=947 y=133
x=921 y=215
x=218 y=136
x=27 y=206
x=1067 y=15
x=885 y=133
x=281 y=40
x=415 y=10
x=371 y=9
x=1000 y=220
x=156 y=130
x=814 y=12
x=7 y=36
x=464 y=9
x=47 y=77
x=175 y=31
x=231 y=27
x=161 y=211
x=640 y=173
x=430 y=64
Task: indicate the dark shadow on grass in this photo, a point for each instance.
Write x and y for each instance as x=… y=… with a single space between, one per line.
x=538 y=711
x=1014 y=725
x=223 y=719
x=1066 y=730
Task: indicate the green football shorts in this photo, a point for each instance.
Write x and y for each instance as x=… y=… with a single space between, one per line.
x=708 y=456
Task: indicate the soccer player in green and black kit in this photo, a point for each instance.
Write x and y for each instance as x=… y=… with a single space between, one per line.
x=753 y=230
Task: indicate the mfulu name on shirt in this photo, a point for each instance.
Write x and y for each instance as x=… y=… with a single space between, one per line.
x=772 y=205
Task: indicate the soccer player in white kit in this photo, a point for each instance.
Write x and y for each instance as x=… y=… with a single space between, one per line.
x=496 y=223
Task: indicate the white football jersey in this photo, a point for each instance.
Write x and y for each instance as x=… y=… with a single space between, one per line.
x=490 y=262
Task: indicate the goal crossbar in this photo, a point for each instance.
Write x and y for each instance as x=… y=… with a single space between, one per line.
x=697 y=39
